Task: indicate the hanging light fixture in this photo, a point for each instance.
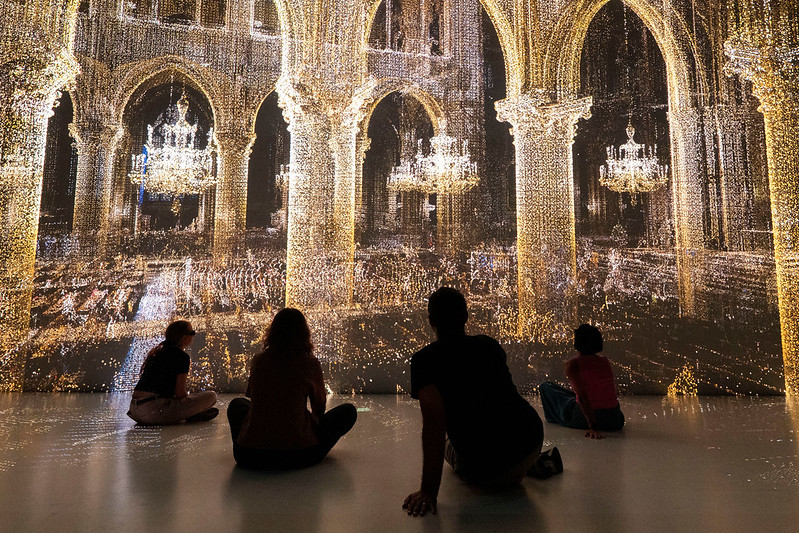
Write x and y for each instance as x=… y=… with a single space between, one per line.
x=175 y=166
x=446 y=169
x=632 y=168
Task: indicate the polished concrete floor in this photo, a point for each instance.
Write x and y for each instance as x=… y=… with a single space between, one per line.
x=75 y=462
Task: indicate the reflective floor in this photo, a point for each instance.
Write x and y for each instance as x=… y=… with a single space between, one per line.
x=75 y=462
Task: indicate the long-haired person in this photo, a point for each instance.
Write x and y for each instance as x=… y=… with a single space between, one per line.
x=274 y=429
x=160 y=397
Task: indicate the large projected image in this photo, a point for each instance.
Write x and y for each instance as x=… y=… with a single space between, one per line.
x=215 y=167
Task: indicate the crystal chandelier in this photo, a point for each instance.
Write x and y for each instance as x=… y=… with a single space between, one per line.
x=175 y=167
x=447 y=169
x=633 y=167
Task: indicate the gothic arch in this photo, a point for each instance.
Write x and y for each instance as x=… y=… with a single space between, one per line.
x=137 y=74
x=502 y=24
x=391 y=85
x=562 y=57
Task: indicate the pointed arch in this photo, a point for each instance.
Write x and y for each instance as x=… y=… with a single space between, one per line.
x=390 y=85
x=133 y=76
x=566 y=42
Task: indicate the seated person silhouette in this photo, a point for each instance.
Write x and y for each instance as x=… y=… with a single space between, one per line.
x=160 y=397
x=472 y=414
x=274 y=429
x=593 y=403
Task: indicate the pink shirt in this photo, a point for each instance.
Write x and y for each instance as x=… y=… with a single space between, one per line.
x=280 y=387
x=596 y=376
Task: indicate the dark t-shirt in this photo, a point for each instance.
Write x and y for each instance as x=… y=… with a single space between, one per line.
x=490 y=425
x=280 y=387
x=160 y=371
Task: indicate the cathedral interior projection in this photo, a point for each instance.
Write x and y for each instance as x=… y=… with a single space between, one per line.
x=629 y=163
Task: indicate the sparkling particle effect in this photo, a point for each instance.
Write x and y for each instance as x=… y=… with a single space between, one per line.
x=349 y=157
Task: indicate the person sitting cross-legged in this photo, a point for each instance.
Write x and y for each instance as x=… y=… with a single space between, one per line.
x=274 y=429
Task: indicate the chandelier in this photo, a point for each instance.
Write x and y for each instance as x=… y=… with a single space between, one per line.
x=175 y=167
x=447 y=169
x=633 y=167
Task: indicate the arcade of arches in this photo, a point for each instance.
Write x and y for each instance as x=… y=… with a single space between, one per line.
x=305 y=181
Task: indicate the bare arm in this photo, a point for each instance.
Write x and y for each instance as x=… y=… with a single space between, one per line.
x=573 y=373
x=180 y=386
x=433 y=434
x=318 y=396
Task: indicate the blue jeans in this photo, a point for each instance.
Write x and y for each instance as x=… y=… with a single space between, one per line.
x=561 y=407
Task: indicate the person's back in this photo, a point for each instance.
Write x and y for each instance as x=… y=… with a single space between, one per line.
x=279 y=388
x=597 y=380
x=274 y=429
x=593 y=402
x=466 y=393
x=488 y=422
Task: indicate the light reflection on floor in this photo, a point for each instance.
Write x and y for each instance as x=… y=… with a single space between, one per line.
x=76 y=462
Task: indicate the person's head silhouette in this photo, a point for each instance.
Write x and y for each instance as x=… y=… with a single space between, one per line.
x=288 y=334
x=587 y=339
x=447 y=312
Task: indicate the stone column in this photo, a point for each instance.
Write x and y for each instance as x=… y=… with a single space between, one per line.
x=97 y=143
x=685 y=127
x=230 y=210
x=27 y=96
x=311 y=192
x=543 y=134
x=774 y=73
x=363 y=142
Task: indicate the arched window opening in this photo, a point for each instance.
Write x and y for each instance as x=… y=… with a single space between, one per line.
x=623 y=70
x=265 y=19
x=498 y=183
x=267 y=195
x=387 y=27
x=212 y=13
x=58 y=183
x=399 y=128
x=155 y=213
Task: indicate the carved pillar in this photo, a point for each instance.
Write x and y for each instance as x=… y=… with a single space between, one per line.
x=311 y=193
x=363 y=142
x=543 y=134
x=685 y=128
x=326 y=163
x=29 y=86
x=230 y=213
x=774 y=73
x=92 y=222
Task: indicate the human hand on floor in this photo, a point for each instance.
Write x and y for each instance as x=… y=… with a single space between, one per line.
x=594 y=434
x=418 y=503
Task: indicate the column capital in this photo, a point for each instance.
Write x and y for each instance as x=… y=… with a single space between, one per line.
x=536 y=113
x=344 y=108
x=232 y=142
x=96 y=133
x=773 y=71
x=34 y=71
